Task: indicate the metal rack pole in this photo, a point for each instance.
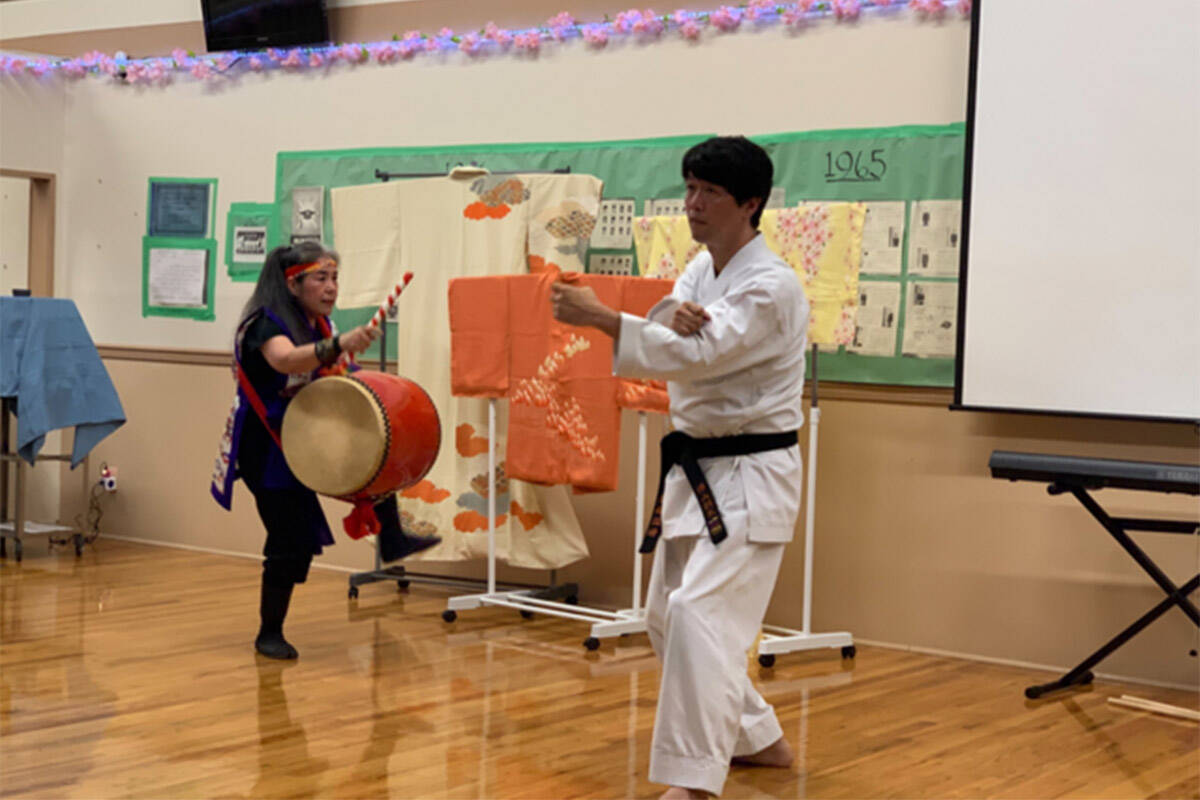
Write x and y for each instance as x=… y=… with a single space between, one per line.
x=785 y=640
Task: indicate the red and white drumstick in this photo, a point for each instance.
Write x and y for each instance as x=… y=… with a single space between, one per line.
x=381 y=313
x=390 y=302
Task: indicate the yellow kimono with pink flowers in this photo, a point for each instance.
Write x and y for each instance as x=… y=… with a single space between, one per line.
x=664 y=246
x=823 y=244
x=821 y=241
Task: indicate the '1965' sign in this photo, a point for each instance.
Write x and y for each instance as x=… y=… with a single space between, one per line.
x=855 y=166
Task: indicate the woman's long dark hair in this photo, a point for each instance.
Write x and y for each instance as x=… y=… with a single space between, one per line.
x=271 y=291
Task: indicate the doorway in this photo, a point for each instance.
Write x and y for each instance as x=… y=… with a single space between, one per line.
x=27 y=250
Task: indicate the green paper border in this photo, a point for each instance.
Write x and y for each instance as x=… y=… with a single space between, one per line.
x=890 y=132
x=241 y=214
x=204 y=314
x=209 y=224
x=349 y=167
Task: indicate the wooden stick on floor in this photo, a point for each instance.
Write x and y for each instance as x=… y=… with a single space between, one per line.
x=1141 y=704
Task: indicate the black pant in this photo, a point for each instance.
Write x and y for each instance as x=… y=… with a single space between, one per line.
x=288 y=516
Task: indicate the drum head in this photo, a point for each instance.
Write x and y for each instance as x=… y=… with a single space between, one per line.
x=334 y=436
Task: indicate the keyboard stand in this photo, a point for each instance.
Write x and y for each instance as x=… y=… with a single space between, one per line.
x=1118 y=528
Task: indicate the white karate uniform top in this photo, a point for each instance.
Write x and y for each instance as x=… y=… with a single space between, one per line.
x=743 y=372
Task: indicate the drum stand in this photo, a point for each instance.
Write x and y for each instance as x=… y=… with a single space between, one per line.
x=604 y=622
x=404 y=578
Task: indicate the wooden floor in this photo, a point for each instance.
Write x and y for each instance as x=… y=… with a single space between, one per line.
x=129 y=673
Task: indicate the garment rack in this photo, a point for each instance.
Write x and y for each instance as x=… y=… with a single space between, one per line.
x=774 y=640
x=400 y=574
x=386 y=176
x=604 y=622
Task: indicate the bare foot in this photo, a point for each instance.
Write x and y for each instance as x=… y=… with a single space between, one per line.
x=778 y=754
x=680 y=793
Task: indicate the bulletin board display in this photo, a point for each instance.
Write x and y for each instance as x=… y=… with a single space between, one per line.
x=909 y=176
x=246 y=239
x=178 y=275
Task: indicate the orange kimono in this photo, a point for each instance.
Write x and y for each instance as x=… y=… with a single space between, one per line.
x=565 y=404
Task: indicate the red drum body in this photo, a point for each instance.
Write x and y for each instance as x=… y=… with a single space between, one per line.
x=361 y=436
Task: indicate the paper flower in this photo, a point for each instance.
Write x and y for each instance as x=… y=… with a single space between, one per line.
x=497 y=34
x=792 y=17
x=650 y=23
x=595 y=35
x=560 y=25
x=469 y=43
x=159 y=72
x=529 y=41
x=760 y=9
x=928 y=8
x=726 y=18
x=646 y=23
x=846 y=9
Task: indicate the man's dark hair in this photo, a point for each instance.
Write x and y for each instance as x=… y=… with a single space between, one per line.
x=737 y=165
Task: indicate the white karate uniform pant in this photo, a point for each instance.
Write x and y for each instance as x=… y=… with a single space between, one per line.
x=704 y=610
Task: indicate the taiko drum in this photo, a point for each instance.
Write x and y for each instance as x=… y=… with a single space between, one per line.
x=362 y=435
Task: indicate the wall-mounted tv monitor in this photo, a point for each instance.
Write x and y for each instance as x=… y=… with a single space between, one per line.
x=256 y=24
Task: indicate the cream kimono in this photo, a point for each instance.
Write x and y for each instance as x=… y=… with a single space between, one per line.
x=469 y=223
x=742 y=373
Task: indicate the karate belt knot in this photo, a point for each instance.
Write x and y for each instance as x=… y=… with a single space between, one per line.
x=679 y=448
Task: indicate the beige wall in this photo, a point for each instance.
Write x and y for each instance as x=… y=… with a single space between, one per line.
x=14 y=234
x=32 y=143
x=362 y=21
x=233 y=130
x=916 y=545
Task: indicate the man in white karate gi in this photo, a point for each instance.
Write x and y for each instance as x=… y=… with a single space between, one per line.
x=730 y=341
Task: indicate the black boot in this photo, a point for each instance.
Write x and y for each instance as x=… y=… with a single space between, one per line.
x=394 y=542
x=273 y=608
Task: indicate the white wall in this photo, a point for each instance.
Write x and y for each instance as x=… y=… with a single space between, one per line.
x=882 y=71
x=14 y=234
x=32 y=114
x=32 y=131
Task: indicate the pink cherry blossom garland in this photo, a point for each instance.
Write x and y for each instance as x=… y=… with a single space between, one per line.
x=645 y=24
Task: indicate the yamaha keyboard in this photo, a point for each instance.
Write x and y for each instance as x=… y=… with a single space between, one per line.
x=1079 y=476
x=1096 y=473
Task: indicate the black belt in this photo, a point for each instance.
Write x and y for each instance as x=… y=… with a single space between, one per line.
x=679 y=448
